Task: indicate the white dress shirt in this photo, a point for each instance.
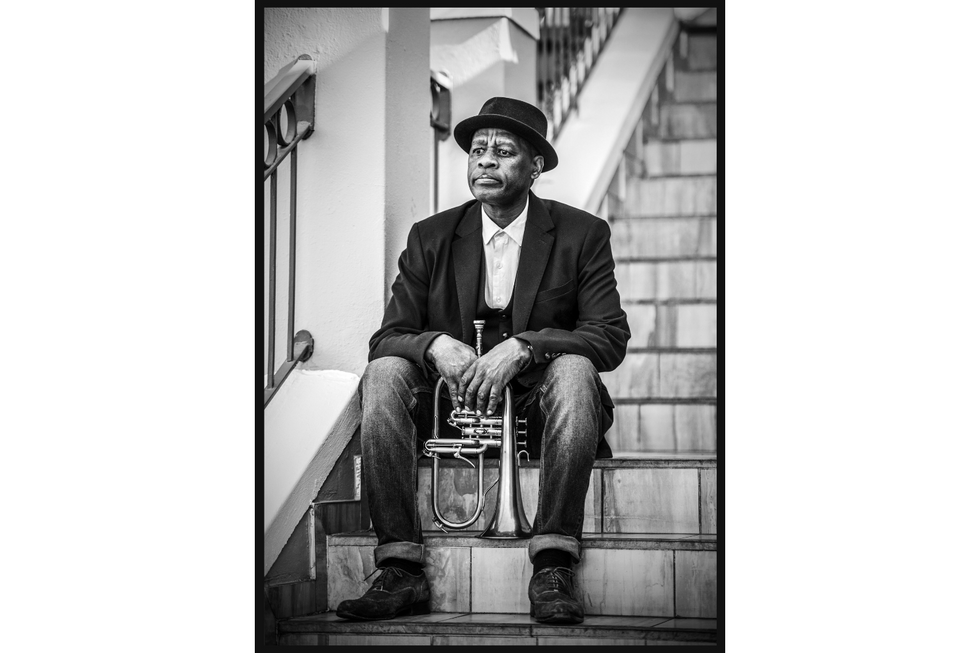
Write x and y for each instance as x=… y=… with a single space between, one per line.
x=502 y=253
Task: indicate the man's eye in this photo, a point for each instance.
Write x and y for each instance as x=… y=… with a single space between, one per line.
x=503 y=152
x=477 y=150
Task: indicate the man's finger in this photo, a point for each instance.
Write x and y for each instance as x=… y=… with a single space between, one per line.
x=483 y=396
x=472 y=388
x=452 y=394
x=481 y=401
x=493 y=401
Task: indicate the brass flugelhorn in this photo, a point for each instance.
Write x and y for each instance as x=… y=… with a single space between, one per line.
x=480 y=433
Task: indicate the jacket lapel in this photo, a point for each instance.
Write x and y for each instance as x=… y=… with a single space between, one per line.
x=467 y=255
x=534 y=259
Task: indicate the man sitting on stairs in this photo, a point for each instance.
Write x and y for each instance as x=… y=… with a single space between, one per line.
x=540 y=274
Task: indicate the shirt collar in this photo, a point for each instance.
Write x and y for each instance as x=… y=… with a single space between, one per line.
x=515 y=229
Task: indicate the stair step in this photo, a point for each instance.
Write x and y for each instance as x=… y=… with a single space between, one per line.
x=659 y=575
x=671 y=375
x=679 y=325
x=670 y=485
x=687 y=157
x=695 y=86
x=702 y=51
x=658 y=280
x=686 y=121
x=462 y=629
x=653 y=429
x=665 y=237
x=672 y=196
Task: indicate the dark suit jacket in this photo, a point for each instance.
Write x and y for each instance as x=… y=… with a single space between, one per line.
x=565 y=297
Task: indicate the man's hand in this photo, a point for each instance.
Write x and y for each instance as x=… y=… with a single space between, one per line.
x=451 y=359
x=484 y=381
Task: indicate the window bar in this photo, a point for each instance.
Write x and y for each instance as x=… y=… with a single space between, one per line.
x=293 y=160
x=272 y=280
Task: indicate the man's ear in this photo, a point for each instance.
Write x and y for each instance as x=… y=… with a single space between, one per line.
x=538 y=165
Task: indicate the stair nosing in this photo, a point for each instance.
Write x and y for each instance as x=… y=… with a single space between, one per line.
x=627 y=460
x=446 y=624
x=696 y=258
x=677 y=401
x=671 y=350
x=693 y=218
x=618 y=541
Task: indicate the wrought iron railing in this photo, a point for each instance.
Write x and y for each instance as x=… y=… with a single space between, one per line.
x=288 y=119
x=570 y=42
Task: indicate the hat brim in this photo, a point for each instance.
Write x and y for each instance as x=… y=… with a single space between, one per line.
x=463 y=133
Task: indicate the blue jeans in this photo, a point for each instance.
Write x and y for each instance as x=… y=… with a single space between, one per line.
x=564 y=416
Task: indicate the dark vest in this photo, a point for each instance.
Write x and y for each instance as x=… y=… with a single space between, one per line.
x=499 y=321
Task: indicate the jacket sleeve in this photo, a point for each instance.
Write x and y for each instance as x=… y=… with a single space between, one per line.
x=403 y=328
x=601 y=330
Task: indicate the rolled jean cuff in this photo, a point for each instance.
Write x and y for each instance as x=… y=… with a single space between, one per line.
x=564 y=543
x=402 y=550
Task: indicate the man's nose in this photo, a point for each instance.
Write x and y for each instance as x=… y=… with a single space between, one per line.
x=487 y=160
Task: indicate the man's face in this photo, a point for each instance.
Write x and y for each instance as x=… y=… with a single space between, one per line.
x=500 y=167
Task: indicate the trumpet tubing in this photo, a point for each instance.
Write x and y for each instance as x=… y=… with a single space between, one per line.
x=480 y=433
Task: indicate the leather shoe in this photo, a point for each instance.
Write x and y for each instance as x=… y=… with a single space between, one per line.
x=395 y=592
x=552 y=598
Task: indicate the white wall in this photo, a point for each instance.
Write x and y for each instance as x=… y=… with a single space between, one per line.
x=363 y=180
x=362 y=175
x=295 y=428
x=486 y=52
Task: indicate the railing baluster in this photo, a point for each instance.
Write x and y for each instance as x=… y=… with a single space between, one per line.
x=272 y=280
x=570 y=41
x=552 y=59
x=290 y=94
x=293 y=172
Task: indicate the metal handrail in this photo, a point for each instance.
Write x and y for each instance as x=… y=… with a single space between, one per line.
x=291 y=94
x=571 y=40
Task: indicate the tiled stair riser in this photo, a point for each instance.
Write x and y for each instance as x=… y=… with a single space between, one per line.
x=639 y=582
x=664 y=237
x=641 y=281
x=697 y=573
x=672 y=325
x=663 y=427
x=684 y=121
x=664 y=375
x=702 y=52
x=651 y=501
x=695 y=86
x=709 y=500
x=672 y=196
x=667 y=497
x=680 y=157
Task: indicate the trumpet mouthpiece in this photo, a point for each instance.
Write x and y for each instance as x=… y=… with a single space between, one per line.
x=479 y=324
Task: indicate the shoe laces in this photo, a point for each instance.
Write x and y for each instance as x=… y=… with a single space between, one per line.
x=386 y=576
x=559 y=578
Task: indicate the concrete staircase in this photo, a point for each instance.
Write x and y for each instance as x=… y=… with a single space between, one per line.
x=662 y=209
x=648 y=574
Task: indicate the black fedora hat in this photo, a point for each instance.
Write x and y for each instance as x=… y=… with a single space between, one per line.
x=517 y=117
